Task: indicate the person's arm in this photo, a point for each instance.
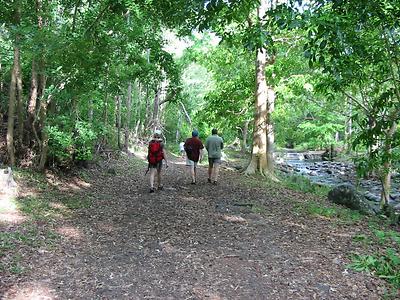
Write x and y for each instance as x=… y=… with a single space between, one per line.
x=222 y=144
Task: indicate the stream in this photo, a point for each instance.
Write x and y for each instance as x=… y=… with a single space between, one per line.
x=333 y=173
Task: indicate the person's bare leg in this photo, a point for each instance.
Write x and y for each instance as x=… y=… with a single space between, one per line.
x=210 y=168
x=152 y=175
x=216 y=172
x=159 y=178
x=192 y=173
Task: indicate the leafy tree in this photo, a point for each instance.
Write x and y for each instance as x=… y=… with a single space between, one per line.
x=356 y=43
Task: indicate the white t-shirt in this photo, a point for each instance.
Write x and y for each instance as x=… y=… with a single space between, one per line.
x=181 y=146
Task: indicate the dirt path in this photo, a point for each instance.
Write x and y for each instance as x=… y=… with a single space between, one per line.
x=228 y=241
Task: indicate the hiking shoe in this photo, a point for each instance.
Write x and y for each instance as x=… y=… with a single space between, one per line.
x=161 y=187
x=193 y=182
x=209 y=180
x=214 y=183
x=152 y=190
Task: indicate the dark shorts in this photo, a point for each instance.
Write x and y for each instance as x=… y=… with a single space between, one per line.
x=212 y=161
x=157 y=166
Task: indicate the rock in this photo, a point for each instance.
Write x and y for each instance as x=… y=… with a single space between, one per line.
x=346 y=195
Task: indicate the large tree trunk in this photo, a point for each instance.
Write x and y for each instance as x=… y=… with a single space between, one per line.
x=11 y=108
x=263 y=136
x=15 y=75
x=258 y=160
x=20 y=105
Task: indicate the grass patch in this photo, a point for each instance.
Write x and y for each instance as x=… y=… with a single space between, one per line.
x=42 y=206
x=76 y=202
x=303 y=184
x=385 y=265
x=314 y=208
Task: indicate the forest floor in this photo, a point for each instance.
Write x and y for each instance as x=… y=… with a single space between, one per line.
x=100 y=234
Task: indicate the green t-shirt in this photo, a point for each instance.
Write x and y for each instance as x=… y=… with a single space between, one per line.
x=214 y=145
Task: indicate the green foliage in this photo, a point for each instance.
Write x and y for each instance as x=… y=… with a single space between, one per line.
x=60 y=144
x=84 y=141
x=355 y=43
x=340 y=214
x=385 y=265
x=303 y=184
x=68 y=144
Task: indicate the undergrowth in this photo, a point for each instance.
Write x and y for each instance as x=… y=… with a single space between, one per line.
x=383 y=258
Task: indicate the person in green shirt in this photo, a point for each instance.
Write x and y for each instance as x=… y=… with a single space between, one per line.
x=214 y=145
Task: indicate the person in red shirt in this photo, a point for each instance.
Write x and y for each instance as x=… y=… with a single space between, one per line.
x=194 y=152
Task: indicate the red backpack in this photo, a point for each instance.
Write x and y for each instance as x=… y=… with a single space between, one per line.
x=156 y=153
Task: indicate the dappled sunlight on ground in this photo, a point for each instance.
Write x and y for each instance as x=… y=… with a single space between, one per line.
x=76 y=184
x=234 y=219
x=70 y=232
x=31 y=291
x=9 y=212
x=204 y=293
x=141 y=153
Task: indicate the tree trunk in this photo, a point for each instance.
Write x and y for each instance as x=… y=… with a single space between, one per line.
x=155 y=120
x=33 y=98
x=44 y=147
x=138 y=103
x=1 y=90
x=387 y=165
x=11 y=109
x=263 y=134
x=258 y=160
x=118 y=100
x=178 y=129
x=245 y=131
x=147 y=109
x=90 y=113
x=270 y=129
x=20 y=105
x=128 y=116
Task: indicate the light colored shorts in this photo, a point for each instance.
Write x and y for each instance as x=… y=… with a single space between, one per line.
x=190 y=163
x=212 y=161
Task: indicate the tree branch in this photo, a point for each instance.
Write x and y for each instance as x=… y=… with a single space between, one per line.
x=189 y=120
x=356 y=101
